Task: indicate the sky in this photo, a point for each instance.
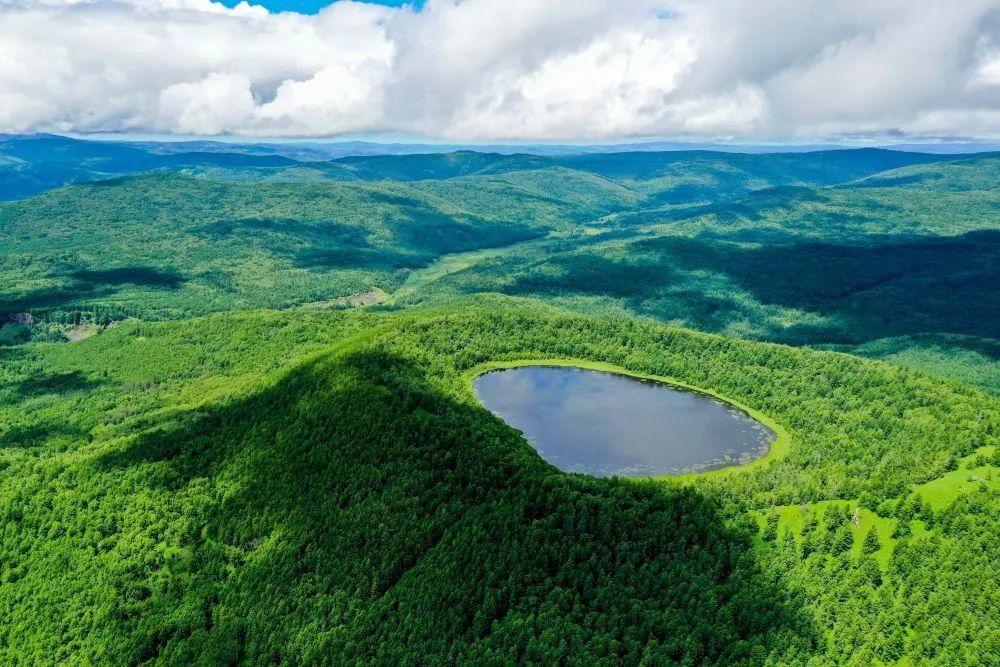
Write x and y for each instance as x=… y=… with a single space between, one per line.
x=505 y=70
x=313 y=6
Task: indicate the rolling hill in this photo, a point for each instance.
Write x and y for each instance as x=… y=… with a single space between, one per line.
x=237 y=424
x=290 y=487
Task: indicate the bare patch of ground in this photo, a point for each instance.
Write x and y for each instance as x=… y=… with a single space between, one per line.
x=81 y=331
x=366 y=298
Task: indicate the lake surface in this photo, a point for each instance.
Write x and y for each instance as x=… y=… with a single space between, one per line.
x=606 y=424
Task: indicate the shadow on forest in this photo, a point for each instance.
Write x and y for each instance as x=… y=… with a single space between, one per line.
x=876 y=290
x=418 y=234
x=351 y=257
x=370 y=506
x=91 y=284
x=318 y=245
x=40 y=433
x=752 y=205
x=142 y=276
x=52 y=383
x=424 y=228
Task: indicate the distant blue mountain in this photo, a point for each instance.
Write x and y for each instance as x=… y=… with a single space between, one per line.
x=33 y=164
x=30 y=164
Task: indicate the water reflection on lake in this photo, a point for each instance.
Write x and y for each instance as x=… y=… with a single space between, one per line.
x=605 y=424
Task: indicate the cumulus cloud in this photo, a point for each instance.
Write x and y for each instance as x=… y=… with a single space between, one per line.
x=505 y=69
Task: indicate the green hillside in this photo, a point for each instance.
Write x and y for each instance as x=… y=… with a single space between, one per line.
x=167 y=246
x=817 y=266
x=911 y=251
x=237 y=423
x=288 y=487
x=798 y=293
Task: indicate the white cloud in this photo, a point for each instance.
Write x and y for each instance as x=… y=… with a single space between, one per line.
x=209 y=106
x=505 y=69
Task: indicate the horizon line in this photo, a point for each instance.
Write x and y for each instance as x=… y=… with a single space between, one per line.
x=411 y=140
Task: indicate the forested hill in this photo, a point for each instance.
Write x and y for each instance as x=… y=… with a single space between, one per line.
x=32 y=164
x=887 y=253
x=237 y=423
x=300 y=488
x=902 y=265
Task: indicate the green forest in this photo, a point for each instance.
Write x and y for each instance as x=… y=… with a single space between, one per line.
x=237 y=424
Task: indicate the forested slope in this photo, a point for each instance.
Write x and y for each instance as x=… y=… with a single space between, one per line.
x=910 y=253
x=167 y=246
x=872 y=250
x=318 y=487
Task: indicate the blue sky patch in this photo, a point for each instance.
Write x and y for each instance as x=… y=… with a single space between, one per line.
x=313 y=6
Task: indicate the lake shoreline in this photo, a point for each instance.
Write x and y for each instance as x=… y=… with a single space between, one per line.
x=778 y=448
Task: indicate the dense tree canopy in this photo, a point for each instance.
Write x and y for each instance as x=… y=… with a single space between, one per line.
x=224 y=493
x=186 y=477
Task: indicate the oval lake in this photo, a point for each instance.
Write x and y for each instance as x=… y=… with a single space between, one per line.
x=608 y=424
